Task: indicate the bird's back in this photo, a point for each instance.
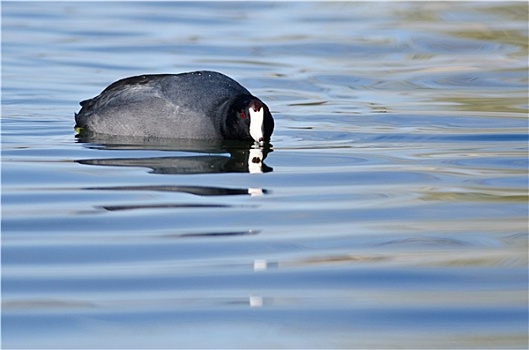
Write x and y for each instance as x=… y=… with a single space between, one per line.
x=164 y=105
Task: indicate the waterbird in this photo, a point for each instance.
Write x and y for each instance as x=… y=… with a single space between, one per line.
x=200 y=105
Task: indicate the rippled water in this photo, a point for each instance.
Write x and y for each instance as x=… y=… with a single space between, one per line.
x=391 y=210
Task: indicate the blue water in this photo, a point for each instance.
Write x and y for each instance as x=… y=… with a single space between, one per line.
x=391 y=211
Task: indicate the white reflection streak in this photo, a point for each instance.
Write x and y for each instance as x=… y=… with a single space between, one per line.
x=260 y=265
x=255 y=191
x=255 y=161
x=256 y=301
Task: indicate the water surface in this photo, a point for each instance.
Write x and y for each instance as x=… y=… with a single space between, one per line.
x=391 y=210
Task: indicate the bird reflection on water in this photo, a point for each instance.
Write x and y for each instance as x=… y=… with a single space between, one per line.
x=207 y=157
x=191 y=157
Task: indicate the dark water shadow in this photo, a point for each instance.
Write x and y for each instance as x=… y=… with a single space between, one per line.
x=203 y=191
x=165 y=206
x=195 y=190
x=205 y=157
x=212 y=234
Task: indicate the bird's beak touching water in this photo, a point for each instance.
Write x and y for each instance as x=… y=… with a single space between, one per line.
x=256 y=123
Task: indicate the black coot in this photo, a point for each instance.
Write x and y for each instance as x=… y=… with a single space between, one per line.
x=197 y=105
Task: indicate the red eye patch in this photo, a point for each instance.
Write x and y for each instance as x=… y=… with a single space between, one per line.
x=243 y=116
